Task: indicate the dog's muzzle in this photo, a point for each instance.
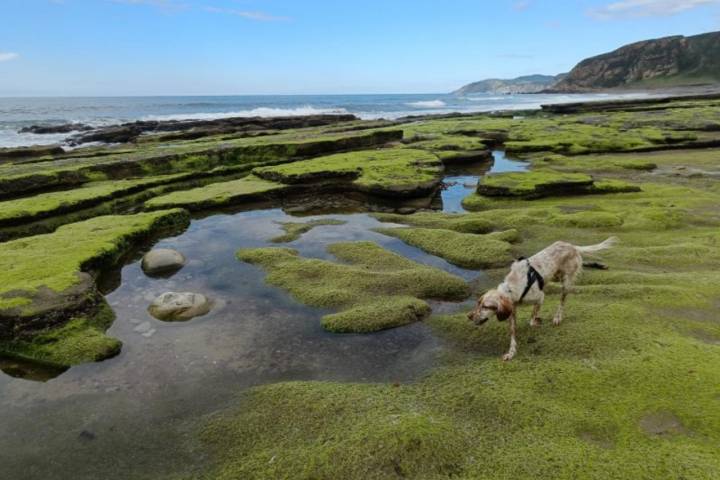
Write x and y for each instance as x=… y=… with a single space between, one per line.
x=475 y=319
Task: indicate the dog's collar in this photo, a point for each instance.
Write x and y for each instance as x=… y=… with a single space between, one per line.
x=532 y=277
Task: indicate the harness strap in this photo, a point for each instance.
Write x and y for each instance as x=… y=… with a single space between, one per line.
x=532 y=277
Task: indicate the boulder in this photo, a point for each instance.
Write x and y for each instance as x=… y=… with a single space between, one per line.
x=162 y=261
x=50 y=129
x=172 y=306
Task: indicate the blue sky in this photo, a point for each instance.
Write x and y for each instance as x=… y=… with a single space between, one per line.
x=194 y=47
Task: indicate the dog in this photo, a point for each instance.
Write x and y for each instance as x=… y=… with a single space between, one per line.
x=560 y=262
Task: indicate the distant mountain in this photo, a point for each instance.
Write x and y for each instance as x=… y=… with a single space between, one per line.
x=664 y=62
x=526 y=84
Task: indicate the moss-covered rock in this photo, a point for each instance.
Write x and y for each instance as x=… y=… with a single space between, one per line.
x=29 y=209
x=388 y=172
x=547 y=183
x=452 y=148
x=82 y=339
x=341 y=431
x=381 y=314
x=220 y=194
x=46 y=283
x=371 y=281
x=462 y=249
x=200 y=156
x=447 y=221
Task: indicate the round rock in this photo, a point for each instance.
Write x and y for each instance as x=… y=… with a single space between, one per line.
x=172 y=306
x=162 y=261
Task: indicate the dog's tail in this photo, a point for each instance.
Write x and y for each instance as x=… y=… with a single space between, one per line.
x=609 y=243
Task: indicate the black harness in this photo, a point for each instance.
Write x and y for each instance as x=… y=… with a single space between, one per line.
x=532 y=277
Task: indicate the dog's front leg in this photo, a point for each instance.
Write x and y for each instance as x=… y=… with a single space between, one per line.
x=561 y=308
x=513 y=343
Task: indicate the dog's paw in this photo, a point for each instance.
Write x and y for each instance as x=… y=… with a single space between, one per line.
x=557 y=320
x=535 y=322
x=507 y=357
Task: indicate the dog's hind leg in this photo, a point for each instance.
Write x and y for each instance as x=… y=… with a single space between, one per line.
x=513 y=343
x=535 y=319
x=566 y=285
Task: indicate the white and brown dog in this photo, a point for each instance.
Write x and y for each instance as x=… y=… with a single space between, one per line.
x=561 y=262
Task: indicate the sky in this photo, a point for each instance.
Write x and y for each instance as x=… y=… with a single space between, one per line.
x=224 y=47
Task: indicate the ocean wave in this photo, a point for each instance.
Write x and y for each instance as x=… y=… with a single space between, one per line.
x=427 y=104
x=255 y=112
x=487 y=99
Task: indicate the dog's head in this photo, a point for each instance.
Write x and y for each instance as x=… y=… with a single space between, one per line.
x=492 y=303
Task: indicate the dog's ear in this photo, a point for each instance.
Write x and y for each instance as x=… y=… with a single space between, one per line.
x=504 y=309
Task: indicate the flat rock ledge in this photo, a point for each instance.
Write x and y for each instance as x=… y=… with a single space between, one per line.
x=162 y=261
x=172 y=306
x=542 y=184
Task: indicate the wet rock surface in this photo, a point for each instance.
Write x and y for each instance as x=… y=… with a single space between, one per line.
x=185 y=129
x=162 y=261
x=173 y=306
x=7 y=154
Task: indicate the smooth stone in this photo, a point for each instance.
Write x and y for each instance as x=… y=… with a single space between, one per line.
x=172 y=306
x=162 y=260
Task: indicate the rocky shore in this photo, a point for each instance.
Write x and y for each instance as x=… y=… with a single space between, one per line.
x=640 y=330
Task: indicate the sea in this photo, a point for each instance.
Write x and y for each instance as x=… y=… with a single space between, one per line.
x=16 y=113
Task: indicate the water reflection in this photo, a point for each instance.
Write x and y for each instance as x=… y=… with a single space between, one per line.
x=461 y=180
x=34 y=371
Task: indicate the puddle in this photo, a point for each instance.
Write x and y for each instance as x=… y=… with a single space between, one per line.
x=461 y=180
x=128 y=415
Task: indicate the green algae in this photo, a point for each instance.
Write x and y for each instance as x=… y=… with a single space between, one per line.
x=355 y=431
x=375 y=171
x=81 y=340
x=23 y=210
x=217 y=194
x=381 y=314
x=187 y=156
x=456 y=222
x=371 y=280
x=294 y=230
x=462 y=249
x=452 y=148
x=545 y=183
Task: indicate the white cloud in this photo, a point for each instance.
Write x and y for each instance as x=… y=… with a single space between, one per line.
x=178 y=5
x=7 y=56
x=647 y=8
x=257 y=16
x=165 y=5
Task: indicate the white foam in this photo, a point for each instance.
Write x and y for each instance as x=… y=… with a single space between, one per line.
x=427 y=104
x=255 y=112
x=488 y=99
x=11 y=138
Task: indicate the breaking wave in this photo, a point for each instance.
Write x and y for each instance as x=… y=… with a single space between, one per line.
x=427 y=104
x=255 y=112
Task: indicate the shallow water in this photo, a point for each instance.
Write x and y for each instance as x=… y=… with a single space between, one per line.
x=462 y=180
x=129 y=416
